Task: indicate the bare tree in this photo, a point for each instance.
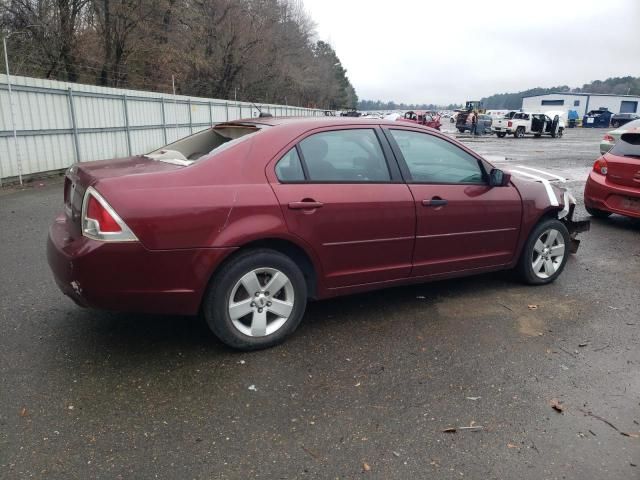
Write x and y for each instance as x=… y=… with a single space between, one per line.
x=259 y=50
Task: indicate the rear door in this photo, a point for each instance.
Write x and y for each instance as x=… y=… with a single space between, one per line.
x=342 y=196
x=462 y=222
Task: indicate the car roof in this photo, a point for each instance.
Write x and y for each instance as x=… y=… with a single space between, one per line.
x=312 y=122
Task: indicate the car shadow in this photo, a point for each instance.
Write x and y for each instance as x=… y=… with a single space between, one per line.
x=93 y=333
x=619 y=222
x=378 y=305
x=145 y=334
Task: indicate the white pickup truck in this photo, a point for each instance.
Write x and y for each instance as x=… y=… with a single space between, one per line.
x=520 y=124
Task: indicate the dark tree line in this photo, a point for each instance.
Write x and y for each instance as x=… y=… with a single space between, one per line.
x=513 y=101
x=375 y=105
x=252 y=50
x=615 y=85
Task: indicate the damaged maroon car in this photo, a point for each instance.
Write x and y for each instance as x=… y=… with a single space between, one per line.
x=246 y=221
x=420 y=117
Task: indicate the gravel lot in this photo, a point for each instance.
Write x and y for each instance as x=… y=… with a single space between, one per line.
x=364 y=389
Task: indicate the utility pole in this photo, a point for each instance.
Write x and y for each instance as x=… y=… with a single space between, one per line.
x=175 y=103
x=13 y=116
x=11 y=109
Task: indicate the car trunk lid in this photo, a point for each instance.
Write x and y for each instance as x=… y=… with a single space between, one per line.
x=81 y=176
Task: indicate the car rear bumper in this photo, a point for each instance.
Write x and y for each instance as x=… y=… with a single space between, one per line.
x=127 y=276
x=601 y=194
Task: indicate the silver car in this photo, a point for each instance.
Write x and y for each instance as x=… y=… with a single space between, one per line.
x=610 y=138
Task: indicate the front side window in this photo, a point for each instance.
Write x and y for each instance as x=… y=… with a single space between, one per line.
x=345 y=156
x=433 y=160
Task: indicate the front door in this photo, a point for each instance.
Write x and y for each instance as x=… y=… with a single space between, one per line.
x=463 y=224
x=341 y=196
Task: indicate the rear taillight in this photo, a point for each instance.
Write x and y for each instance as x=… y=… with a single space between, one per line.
x=510 y=124
x=608 y=138
x=600 y=166
x=101 y=222
x=99 y=214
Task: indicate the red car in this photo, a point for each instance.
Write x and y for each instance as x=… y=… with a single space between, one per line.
x=247 y=220
x=613 y=185
x=428 y=119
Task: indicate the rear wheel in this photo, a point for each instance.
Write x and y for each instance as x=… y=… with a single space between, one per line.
x=519 y=133
x=256 y=300
x=461 y=130
x=594 y=212
x=545 y=253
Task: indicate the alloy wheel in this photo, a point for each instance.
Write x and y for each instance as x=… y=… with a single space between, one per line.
x=548 y=253
x=261 y=302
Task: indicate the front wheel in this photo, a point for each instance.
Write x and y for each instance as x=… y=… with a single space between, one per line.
x=256 y=300
x=545 y=253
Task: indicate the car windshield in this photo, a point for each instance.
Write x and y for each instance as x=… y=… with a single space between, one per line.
x=627 y=146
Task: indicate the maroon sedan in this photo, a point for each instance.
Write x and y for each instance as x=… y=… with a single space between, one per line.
x=613 y=185
x=247 y=220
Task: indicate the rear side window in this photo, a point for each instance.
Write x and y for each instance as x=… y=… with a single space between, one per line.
x=433 y=160
x=627 y=146
x=350 y=156
x=289 y=168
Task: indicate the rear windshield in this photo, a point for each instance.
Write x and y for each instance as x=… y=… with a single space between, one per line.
x=204 y=144
x=627 y=146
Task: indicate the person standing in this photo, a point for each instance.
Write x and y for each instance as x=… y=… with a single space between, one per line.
x=474 y=123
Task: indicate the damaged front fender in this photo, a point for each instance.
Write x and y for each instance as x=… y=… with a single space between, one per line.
x=575 y=226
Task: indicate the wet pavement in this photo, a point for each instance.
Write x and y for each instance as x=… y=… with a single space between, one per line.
x=365 y=387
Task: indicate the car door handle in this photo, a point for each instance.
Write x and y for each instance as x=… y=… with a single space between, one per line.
x=435 y=202
x=305 y=205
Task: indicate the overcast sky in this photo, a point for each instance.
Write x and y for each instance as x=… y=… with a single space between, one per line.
x=450 y=51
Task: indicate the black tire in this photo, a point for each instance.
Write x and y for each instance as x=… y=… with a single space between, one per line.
x=537 y=135
x=615 y=124
x=525 y=264
x=519 y=133
x=594 y=212
x=217 y=297
x=501 y=134
x=461 y=130
x=560 y=132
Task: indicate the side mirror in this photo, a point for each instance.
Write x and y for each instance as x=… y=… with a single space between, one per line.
x=498 y=178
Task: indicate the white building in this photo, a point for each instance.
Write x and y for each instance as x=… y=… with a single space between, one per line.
x=581 y=103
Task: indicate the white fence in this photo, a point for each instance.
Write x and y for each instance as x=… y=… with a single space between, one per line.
x=59 y=123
